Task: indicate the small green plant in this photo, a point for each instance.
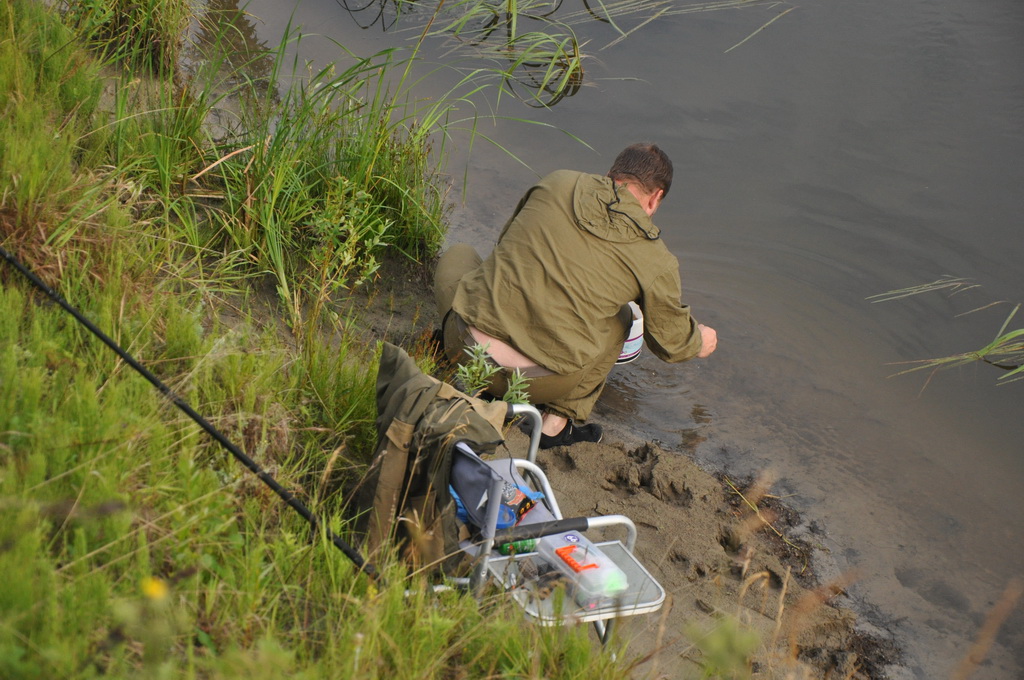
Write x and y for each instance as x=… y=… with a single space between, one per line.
x=518 y=386
x=347 y=237
x=475 y=376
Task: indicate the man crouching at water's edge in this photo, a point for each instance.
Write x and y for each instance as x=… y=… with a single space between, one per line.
x=552 y=298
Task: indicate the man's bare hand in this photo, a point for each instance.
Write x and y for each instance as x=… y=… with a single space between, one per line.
x=709 y=338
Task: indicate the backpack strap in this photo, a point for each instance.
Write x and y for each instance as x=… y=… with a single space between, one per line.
x=393 y=460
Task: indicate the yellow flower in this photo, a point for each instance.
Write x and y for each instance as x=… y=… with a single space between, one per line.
x=154 y=588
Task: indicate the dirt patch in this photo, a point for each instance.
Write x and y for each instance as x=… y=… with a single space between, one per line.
x=397 y=306
x=718 y=546
x=717 y=560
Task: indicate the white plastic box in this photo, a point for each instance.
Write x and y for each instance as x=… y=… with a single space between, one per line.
x=594 y=576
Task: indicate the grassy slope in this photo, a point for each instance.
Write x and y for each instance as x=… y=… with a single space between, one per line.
x=130 y=545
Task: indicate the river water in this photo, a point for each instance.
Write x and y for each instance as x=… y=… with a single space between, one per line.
x=849 y=148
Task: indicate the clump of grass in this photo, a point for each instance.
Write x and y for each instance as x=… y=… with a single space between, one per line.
x=45 y=81
x=321 y=181
x=144 y=33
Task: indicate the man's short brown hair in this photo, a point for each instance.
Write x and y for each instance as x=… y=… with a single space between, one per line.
x=644 y=163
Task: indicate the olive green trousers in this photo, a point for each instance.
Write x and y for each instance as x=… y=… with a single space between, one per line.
x=572 y=395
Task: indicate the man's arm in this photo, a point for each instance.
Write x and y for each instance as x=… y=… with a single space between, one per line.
x=669 y=329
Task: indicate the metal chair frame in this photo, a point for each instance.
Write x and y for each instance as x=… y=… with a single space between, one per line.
x=645 y=594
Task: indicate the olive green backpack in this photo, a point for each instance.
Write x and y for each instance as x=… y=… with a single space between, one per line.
x=419 y=421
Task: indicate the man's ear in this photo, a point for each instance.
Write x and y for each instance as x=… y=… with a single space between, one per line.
x=653 y=201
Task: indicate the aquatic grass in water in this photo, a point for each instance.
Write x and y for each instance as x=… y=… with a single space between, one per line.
x=1005 y=351
x=546 y=64
x=532 y=49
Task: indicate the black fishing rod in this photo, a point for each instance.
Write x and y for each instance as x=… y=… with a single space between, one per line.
x=239 y=455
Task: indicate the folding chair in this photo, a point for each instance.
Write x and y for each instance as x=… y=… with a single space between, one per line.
x=520 y=573
x=426 y=429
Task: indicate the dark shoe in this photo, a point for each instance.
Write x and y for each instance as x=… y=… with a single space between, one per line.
x=570 y=434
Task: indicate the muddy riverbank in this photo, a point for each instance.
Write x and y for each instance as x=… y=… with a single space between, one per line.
x=725 y=550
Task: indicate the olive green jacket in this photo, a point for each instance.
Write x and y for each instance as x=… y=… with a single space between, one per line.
x=576 y=249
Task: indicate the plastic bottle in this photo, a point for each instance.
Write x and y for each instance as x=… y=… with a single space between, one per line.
x=593 y=574
x=517 y=547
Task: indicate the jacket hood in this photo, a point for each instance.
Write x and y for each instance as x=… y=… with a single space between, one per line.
x=609 y=212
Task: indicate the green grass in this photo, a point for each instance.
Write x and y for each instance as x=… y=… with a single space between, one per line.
x=146 y=34
x=130 y=544
x=60 y=89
